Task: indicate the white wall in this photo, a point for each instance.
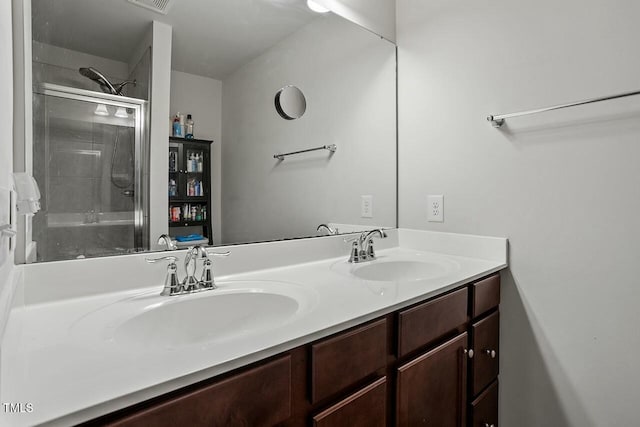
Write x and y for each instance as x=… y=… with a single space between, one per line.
x=159 y=135
x=7 y=269
x=202 y=98
x=348 y=77
x=564 y=187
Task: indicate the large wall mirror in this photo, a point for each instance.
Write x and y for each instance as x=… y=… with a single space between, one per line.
x=102 y=123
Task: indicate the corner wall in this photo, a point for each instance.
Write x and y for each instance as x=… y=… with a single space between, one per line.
x=564 y=187
x=7 y=268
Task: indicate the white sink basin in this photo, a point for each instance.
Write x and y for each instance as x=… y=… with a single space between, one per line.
x=400 y=271
x=233 y=311
x=399 y=268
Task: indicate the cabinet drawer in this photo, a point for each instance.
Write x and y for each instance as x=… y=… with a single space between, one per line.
x=425 y=323
x=484 y=410
x=486 y=342
x=258 y=397
x=343 y=360
x=485 y=295
x=365 y=408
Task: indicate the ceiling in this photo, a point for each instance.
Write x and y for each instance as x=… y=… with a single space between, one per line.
x=211 y=38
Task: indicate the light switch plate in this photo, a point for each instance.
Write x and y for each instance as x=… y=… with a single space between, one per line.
x=366 y=206
x=435 y=208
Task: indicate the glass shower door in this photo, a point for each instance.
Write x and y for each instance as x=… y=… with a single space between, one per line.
x=87 y=150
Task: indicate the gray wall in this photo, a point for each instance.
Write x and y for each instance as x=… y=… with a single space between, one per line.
x=202 y=97
x=564 y=187
x=348 y=77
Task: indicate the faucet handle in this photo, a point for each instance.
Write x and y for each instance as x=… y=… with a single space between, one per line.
x=207 y=281
x=355 y=255
x=172 y=259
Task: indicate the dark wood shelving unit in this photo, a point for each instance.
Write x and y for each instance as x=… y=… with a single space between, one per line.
x=190 y=186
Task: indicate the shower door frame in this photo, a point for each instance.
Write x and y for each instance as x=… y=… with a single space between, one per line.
x=140 y=106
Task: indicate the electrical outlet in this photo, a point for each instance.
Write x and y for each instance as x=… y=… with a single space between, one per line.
x=366 y=206
x=435 y=208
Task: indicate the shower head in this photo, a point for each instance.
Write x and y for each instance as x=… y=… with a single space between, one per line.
x=99 y=78
x=105 y=84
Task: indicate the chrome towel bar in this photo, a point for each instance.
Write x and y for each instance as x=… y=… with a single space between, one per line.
x=498 y=120
x=331 y=148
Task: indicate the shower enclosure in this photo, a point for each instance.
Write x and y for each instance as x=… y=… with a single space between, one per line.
x=89 y=151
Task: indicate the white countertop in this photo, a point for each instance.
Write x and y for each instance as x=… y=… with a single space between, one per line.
x=55 y=355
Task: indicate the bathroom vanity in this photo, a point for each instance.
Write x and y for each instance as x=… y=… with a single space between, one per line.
x=410 y=367
x=294 y=335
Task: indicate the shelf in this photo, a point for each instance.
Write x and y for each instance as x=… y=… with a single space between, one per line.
x=201 y=200
x=195 y=140
x=188 y=224
x=187 y=173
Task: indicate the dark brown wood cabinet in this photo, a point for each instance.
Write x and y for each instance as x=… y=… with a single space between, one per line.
x=432 y=388
x=434 y=363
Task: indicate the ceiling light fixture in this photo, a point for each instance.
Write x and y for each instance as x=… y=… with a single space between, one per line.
x=101 y=110
x=317 y=7
x=122 y=113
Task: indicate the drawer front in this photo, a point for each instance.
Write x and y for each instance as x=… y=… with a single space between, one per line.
x=343 y=360
x=486 y=342
x=484 y=410
x=365 y=408
x=425 y=323
x=258 y=397
x=431 y=389
x=486 y=295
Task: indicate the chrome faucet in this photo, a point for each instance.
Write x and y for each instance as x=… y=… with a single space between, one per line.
x=190 y=284
x=362 y=246
x=167 y=241
x=332 y=231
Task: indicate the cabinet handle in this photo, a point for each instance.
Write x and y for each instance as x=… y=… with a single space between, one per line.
x=488 y=425
x=469 y=353
x=492 y=354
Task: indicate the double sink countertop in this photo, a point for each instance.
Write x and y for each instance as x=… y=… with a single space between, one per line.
x=89 y=337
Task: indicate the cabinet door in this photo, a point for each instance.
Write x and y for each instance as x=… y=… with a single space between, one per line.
x=431 y=389
x=486 y=340
x=365 y=408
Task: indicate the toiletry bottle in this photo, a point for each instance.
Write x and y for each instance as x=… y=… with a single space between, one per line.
x=182 y=125
x=200 y=163
x=189 y=131
x=194 y=164
x=177 y=128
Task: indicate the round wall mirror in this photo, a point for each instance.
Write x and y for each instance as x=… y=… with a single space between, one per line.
x=290 y=103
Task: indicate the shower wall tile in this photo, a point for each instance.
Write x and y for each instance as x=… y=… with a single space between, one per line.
x=71 y=161
x=72 y=195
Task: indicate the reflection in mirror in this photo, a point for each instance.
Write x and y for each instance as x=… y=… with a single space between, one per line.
x=97 y=139
x=290 y=103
